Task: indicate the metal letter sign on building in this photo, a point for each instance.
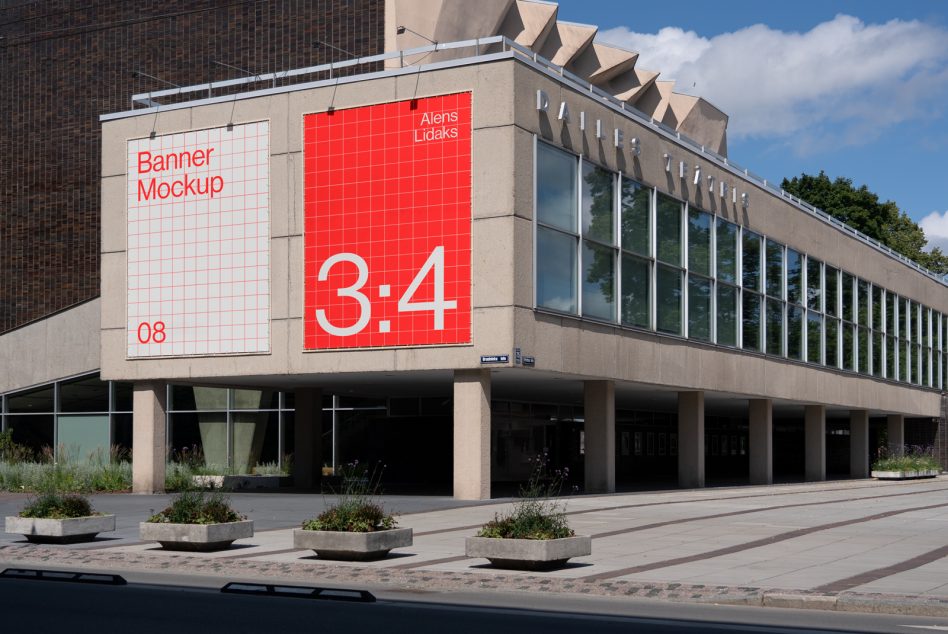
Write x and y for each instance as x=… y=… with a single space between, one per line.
x=388 y=224
x=198 y=242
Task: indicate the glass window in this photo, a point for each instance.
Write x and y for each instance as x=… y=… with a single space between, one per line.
x=795 y=332
x=862 y=302
x=876 y=308
x=89 y=394
x=556 y=187
x=913 y=323
x=905 y=373
x=832 y=342
x=849 y=308
x=814 y=336
x=814 y=284
x=775 y=327
x=774 y=269
x=597 y=203
x=668 y=229
x=699 y=242
x=635 y=291
x=255 y=399
x=832 y=291
x=726 y=247
x=925 y=327
x=863 y=350
x=598 y=281
x=35 y=432
x=849 y=347
x=699 y=308
x=123 y=395
x=794 y=277
x=751 y=321
x=668 y=300
x=877 y=353
x=750 y=260
x=83 y=439
x=891 y=354
x=727 y=315
x=635 y=217
x=31 y=401
x=890 y=303
x=556 y=270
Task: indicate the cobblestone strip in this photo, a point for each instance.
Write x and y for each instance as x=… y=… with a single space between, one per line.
x=488 y=579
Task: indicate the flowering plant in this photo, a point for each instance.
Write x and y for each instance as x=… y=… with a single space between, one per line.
x=355 y=510
x=535 y=515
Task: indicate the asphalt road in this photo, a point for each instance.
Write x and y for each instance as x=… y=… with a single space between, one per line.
x=46 y=606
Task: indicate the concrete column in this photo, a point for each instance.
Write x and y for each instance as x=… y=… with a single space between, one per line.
x=690 y=439
x=896 y=425
x=859 y=443
x=815 y=438
x=472 y=434
x=600 y=435
x=308 y=438
x=761 y=430
x=149 y=437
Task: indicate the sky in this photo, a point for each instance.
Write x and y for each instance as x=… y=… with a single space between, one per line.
x=855 y=88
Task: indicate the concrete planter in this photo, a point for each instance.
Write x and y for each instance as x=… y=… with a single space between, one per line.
x=242 y=482
x=903 y=475
x=528 y=554
x=44 y=530
x=195 y=537
x=346 y=546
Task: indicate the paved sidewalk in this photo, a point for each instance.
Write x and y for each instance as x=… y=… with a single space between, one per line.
x=859 y=545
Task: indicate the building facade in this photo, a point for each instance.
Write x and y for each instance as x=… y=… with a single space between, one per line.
x=461 y=254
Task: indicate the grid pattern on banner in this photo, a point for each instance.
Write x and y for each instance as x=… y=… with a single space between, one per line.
x=198 y=242
x=387 y=203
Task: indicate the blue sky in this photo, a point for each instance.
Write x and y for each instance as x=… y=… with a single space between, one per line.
x=857 y=88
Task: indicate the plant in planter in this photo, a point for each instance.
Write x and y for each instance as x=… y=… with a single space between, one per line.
x=535 y=534
x=913 y=462
x=355 y=527
x=52 y=518
x=196 y=521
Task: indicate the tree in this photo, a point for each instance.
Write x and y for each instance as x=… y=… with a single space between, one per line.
x=862 y=210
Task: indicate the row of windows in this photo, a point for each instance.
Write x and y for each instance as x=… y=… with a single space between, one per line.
x=611 y=249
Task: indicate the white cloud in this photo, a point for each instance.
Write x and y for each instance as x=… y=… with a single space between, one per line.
x=935 y=226
x=838 y=83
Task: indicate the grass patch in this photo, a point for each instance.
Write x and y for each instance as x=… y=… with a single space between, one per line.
x=56 y=506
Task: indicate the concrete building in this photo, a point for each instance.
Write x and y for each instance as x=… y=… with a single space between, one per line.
x=495 y=240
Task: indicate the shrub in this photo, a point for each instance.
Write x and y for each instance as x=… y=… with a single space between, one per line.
x=355 y=511
x=535 y=515
x=56 y=506
x=912 y=458
x=198 y=507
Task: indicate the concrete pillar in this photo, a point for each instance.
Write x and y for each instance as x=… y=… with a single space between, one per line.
x=859 y=443
x=472 y=434
x=896 y=425
x=815 y=438
x=600 y=435
x=149 y=437
x=690 y=439
x=761 y=431
x=308 y=438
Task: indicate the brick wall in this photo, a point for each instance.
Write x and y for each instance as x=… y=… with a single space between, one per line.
x=63 y=63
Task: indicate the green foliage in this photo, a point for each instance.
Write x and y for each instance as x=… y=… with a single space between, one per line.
x=11 y=452
x=198 y=507
x=354 y=516
x=356 y=510
x=56 y=506
x=97 y=474
x=913 y=458
x=862 y=210
x=535 y=515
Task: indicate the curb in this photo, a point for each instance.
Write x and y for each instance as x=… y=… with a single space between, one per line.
x=492 y=581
